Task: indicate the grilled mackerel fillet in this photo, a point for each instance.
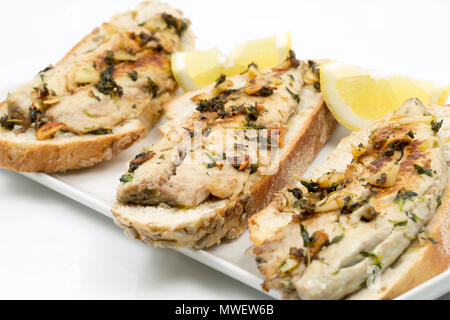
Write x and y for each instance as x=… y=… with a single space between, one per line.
x=325 y=238
x=107 y=91
x=192 y=189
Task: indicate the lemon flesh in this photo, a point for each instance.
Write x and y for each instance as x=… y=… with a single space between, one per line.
x=357 y=97
x=197 y=69
x=265 y=53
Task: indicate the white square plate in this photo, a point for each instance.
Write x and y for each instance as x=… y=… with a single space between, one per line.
x=95 y=188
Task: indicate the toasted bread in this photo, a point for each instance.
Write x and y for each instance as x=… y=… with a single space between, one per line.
x=274 y=231
x=170 y=223
x=100 y=98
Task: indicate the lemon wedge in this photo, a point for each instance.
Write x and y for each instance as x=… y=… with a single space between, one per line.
x=265 y=53
x=197 y=69
x=357 y=96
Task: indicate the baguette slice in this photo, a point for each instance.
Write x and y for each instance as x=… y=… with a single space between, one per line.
x=274 y=232
x=100 y=98
x=204 y=224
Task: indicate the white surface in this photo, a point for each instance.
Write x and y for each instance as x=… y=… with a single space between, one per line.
x=55 y=248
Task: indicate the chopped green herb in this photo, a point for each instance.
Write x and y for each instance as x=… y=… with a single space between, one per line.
x=305 y=236
x=249 y=66
x=126 y=178
x=100 y=131
x=376 y=261
x=260 y=260
x=312 y=187
x=413 y=216
x=34 y=114
x=251 y=126
x=50 y=67
x=404 y=195
x=212 y=163
x=142 y=24
x=152 y=87
x=436 y=126
x=265 y=92
x=254 y=168
x=410 y=134
x=439 y=202
x=109 y=58
x=297 y=193
x=90 y=115
x=420 y=170
x=399 y=223
x=337 y=239
x=294 y=96
x=178 y=25
x=220 y=80
x=133 y=75
x=433 y=241
x=5 y=122
x=107 y=85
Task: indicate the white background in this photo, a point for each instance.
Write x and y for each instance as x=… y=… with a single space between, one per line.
x=52 y=247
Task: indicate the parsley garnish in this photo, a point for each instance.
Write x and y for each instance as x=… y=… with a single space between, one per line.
x=436 y=126
x=413 y=216
x=297 y=193
x=420 y=170
x=133 y=75
x=311 y=186
x=265 y=92
x=294 y=96
x=305 y=236
x=376 y=261
x=399 y=223
x=107 y=85
x=126 y=178
x=152 y=87
x=337 y=239
x=254 y=168
x=220 y=80
x=404 y=195
x=260 y=260
x=101 y=131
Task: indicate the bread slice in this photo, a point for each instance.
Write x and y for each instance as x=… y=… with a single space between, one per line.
x=274 y=234
x=100 y=98
x=166 y=224
x=424 y=259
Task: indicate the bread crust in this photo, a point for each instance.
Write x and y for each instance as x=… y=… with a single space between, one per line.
x=73 y=154
x=319 y=127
